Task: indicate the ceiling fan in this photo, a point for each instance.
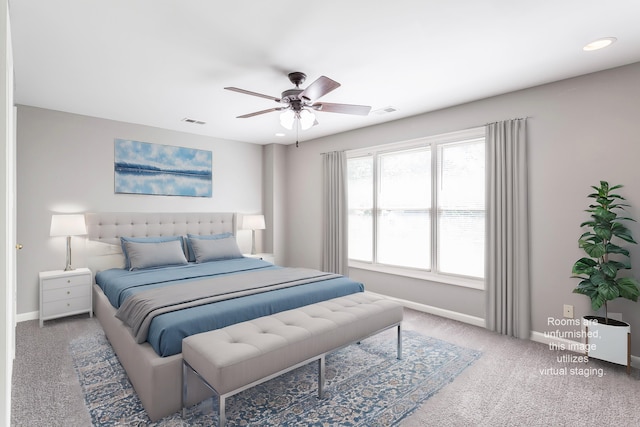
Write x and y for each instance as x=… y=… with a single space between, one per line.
x=299 y=104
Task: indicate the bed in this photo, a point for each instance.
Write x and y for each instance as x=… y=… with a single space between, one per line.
x=137 y=270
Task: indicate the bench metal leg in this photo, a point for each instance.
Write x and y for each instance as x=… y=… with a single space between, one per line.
x=222 y=413
x=222 y=417
x=321 y=372
x=184 y=389
x=399 y=342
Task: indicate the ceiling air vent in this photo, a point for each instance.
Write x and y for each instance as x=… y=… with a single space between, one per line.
x=194 y=121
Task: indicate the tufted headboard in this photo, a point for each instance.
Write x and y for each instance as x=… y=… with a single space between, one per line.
x=105 y=229
x=110 y=226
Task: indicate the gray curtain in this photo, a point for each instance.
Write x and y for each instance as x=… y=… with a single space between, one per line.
x=508 y=307
x=334 y=210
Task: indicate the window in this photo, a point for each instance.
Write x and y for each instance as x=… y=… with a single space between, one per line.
x=420 y=206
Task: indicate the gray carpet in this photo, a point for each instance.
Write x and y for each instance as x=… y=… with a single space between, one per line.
x=45 y=389
x=507 y=386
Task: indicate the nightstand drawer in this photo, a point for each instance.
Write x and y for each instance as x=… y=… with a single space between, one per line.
x=65 y=306
x=56 y=294
x=64 y=282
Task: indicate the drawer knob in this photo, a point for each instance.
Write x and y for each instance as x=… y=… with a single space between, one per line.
x=68 y=292
x=68 y=280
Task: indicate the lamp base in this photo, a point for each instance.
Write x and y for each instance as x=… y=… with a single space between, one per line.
x=253 y=242
x=68 y=266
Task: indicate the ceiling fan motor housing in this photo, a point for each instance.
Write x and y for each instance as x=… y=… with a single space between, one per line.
x=291 y=96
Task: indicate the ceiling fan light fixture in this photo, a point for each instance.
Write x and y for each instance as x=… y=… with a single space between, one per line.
x=307 y=119
x=287 y=118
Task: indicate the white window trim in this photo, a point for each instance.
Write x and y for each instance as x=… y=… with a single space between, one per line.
x=458 y=136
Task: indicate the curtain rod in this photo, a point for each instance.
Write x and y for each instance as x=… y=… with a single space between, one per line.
x=516 y=118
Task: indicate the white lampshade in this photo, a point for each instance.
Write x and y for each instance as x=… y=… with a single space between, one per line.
x=253 y=222
x=287 y=118
x=307 y=118
x=68 y=225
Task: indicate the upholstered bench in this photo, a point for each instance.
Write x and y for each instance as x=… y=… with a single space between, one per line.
x=240 y=356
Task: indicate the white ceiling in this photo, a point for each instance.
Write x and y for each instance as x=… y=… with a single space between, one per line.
x=155 y=62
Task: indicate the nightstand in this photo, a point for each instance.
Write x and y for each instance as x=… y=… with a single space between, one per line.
x=65 y=293
x=263 y=256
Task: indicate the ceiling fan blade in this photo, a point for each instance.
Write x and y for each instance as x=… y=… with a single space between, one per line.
x=322 y=86
x=248 y=92
x=360 y=110
x=257 y=113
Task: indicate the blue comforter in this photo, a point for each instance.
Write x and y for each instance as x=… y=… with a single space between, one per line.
x=167 y=330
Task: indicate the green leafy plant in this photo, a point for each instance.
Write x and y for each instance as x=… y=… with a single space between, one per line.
x=600 y=269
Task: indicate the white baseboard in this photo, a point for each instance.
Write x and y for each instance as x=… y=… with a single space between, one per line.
x=23 y=317
x=454 y=315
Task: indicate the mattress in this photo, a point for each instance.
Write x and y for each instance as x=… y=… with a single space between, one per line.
x=167 y=330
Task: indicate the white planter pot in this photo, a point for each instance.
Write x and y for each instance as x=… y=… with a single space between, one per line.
x=610 y=342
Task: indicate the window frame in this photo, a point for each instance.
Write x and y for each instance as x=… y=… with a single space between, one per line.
x=432 y=143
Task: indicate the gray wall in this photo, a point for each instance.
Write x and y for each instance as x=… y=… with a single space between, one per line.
x=65 y=164
x=580 y=130
x=275 y=197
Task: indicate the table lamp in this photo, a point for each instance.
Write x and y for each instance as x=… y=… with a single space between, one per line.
x=253 y=223
x=68 y=225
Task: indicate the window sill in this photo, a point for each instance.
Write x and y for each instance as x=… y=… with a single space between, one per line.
x=422 y=275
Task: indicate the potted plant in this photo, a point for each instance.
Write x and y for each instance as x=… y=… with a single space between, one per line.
x=599 y=272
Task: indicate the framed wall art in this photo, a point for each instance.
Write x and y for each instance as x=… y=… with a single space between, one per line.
x=146 y=168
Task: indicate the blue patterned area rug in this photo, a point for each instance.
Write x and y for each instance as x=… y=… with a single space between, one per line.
x=365 y=386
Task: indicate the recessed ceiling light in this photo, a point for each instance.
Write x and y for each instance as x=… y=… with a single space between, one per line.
x=599 y=44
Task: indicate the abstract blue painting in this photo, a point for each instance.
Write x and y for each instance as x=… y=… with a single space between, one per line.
x=145 y=168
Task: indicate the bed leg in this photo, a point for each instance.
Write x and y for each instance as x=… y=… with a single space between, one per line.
x=399 y=341
x=321 y=372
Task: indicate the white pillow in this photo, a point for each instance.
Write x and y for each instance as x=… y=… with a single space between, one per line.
x=104 y=256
